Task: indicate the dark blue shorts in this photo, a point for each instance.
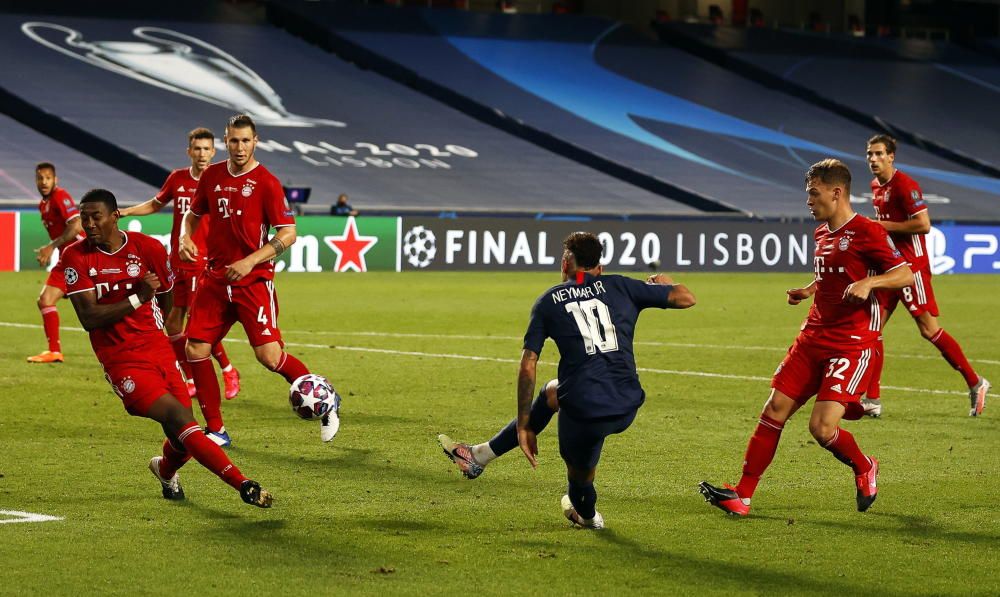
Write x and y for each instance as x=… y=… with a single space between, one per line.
x=581 y=440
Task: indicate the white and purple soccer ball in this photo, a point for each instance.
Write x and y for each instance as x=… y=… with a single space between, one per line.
x=311 y=396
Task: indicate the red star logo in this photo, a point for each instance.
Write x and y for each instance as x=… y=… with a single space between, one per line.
x=350 y=248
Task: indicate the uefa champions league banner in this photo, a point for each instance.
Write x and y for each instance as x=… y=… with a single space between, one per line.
x=338 y=244
x=666 y=245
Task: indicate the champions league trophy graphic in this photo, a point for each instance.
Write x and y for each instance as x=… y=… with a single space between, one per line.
x=180 y=63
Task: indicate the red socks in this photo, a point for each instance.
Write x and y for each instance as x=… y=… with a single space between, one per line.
x=208 y=455
x=173 y=459
x=177 y=342
x=874 y=391
x=846 y=450
x=209 y=395
x=290 y=367
x=220 y=355
x=760 y=451
x=952 y=353
x=50 y=321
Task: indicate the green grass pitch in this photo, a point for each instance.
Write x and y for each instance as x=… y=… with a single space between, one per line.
x=382 y=511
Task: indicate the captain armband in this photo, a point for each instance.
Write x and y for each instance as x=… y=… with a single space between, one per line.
x=277 y=245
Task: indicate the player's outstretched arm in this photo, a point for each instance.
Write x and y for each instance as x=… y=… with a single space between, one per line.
x=526 y=376
x=918 y=224
x=797 y=295
x=93 y=316
x=897 y=277
x=680 y=296
x=143 y=209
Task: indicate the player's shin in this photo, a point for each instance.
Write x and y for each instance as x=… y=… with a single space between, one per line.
x=177 y=342
x=760 y=452
x=219 y=352
x=209 y=394
x=584 y=498
x=290 y=367
x=210 y=455
x=952 y=352
x=174 y=458
x=845 y=449
x=50 y=322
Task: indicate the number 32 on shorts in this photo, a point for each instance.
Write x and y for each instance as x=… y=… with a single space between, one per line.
x=837 y=367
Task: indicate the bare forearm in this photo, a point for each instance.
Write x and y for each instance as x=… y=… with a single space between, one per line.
x=73 y=228
x=143 y=209
x=918 y=224
x=899 y=277
x=282 y=239
x=525 y=387
x=190 y=223
x=96 y=316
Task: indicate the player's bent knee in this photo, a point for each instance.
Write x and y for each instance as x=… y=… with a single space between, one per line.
x=195 y=350
x=822 y=431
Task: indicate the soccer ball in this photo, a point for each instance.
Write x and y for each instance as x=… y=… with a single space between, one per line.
x=419 y=246
x=312 y=396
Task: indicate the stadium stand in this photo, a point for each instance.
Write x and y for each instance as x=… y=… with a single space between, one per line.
x=140 y=86
x=21 y=148
x=932 y=90
x=658 y=110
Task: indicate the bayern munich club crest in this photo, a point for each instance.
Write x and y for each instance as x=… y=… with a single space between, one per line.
x=71 y=276
x=844 y=243
x=128 y=385
x=247 y=189
x=133 y=267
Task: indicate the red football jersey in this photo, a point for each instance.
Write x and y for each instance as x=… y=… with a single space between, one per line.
x=898 y=200
x=57 y=210
x=241 y=210
x=854 y=251
x=113 y=276
x=179 y=188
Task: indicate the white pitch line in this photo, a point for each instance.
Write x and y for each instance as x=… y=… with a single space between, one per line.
x=440 y=355
x=637 y=343
x=26 y=517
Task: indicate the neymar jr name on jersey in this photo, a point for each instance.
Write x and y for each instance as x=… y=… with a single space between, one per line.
x=578 y=292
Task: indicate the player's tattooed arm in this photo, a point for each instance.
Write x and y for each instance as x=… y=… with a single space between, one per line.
x=285 y=236
x=525 y=391
x=94 y=316
x=277 y=245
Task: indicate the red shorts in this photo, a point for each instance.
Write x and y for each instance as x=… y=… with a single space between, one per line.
x=218 y=306
x=57 y=277
x=186 y=283
x=918 y=298
x=837 y=374
x=141 y=377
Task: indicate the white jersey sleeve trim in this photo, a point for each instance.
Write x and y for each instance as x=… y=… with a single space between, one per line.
x=79 y=291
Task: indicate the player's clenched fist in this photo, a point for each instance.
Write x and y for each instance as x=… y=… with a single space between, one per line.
x=148 y=286
x=857 y=292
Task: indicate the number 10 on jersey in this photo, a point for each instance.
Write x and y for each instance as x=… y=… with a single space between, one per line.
x=594 y=320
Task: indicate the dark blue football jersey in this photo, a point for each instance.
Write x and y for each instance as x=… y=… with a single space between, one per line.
x=593 y=324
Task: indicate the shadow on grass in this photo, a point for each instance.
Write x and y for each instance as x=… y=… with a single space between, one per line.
x=719 y=574
x=911 y=526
